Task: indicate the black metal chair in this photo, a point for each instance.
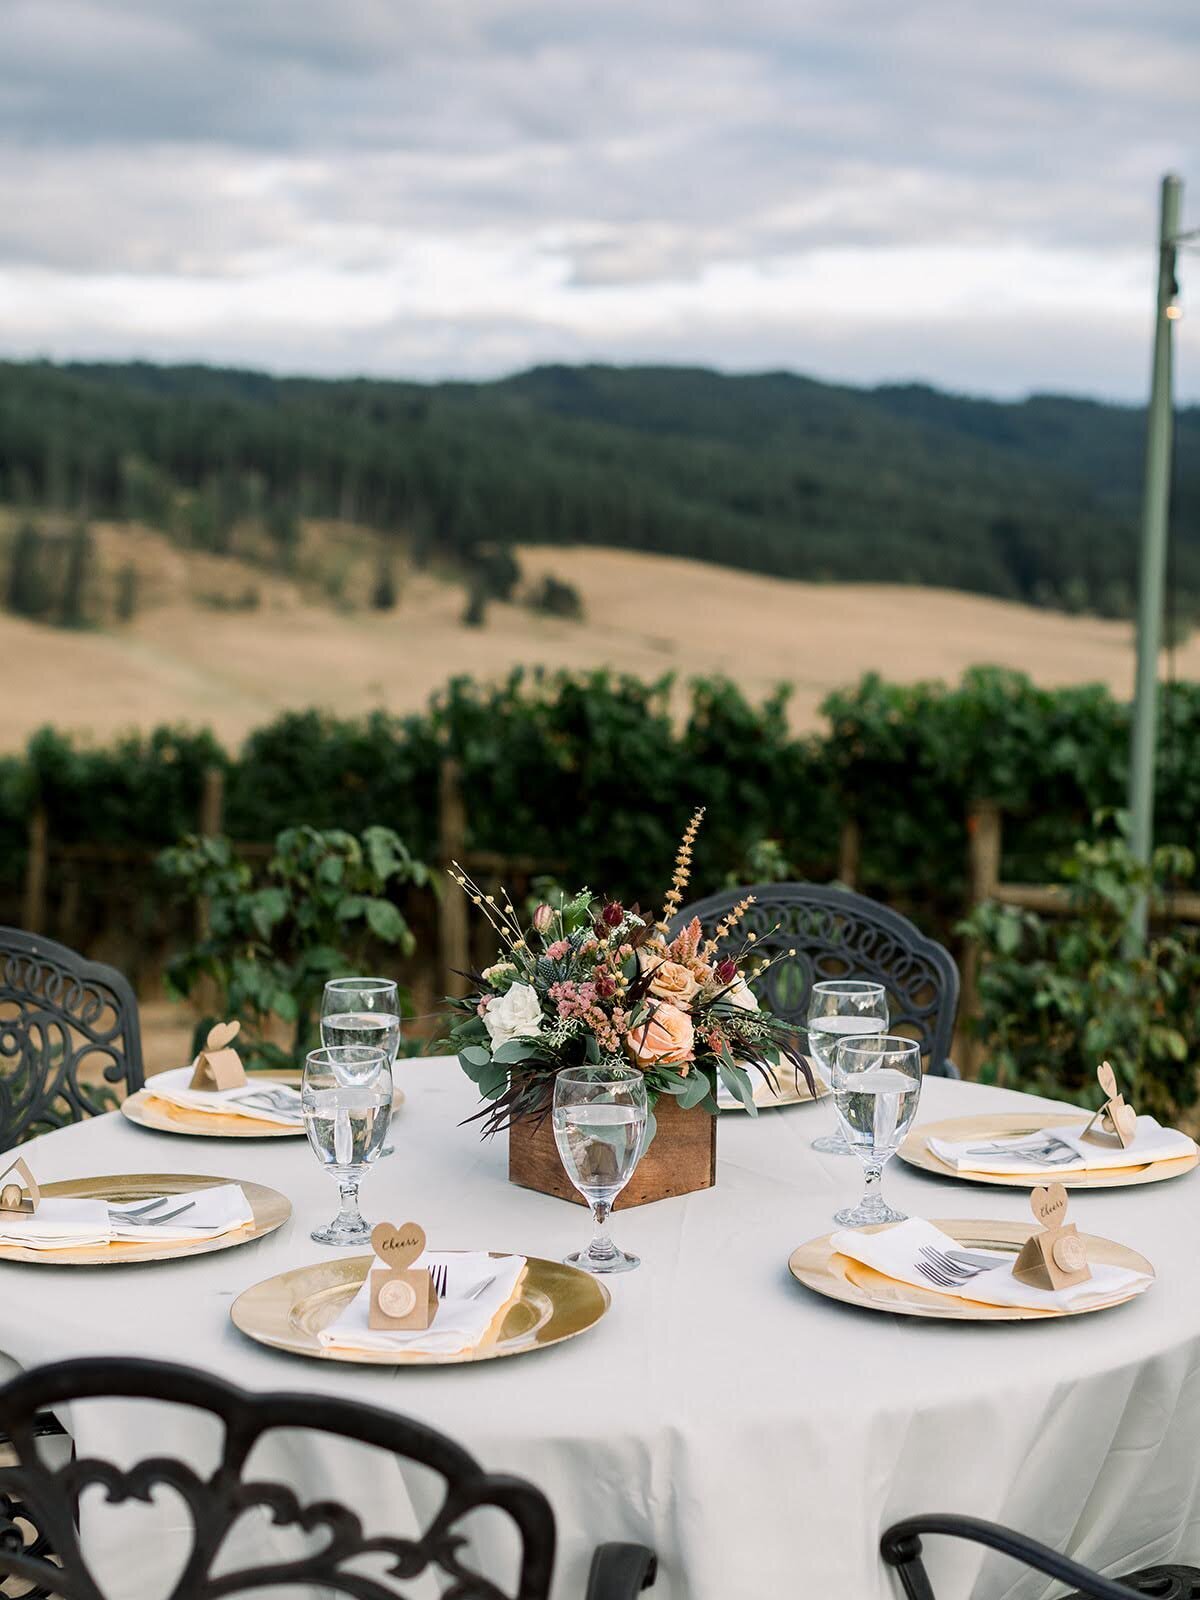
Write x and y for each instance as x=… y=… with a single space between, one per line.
x=901 y=1549
x=48 y=1496
x=68 y=1028
x=839 y=934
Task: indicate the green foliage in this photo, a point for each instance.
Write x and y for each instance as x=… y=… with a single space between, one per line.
x=276 y=936
x=1060 y=994
x=1036 y=500
x=28 y=591
x=127 y=593
x=383 y=595
x=555 y=598
x=73 y=604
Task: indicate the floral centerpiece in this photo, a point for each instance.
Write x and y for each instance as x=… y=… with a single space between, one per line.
x=592 y=980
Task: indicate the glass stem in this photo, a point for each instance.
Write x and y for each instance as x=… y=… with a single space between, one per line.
x=873 y=1189
x=349 y=1215
x=601 y=1248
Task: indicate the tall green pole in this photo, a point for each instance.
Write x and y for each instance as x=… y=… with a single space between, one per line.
x=1155 y=500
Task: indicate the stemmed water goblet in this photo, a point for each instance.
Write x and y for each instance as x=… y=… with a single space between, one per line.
x=840 y=1008
x=346 y=1098
x=876 y=1089
x=599 y=1116
x=364 y=1011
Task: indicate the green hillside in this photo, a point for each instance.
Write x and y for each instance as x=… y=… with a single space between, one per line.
x=776 y=473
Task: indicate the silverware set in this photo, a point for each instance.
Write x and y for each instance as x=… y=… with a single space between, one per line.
x=440 y=1278
x=951 y=1269
x=148 y=1215
x=281 y=1101
x=1049 y=1153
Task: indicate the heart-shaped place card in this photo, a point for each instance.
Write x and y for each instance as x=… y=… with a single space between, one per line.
x=1049 y=1205
x=1124 y=1119
x=397 y=1247
x=1108 y=1079
x=222 y=1035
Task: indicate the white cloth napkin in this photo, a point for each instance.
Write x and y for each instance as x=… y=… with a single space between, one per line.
x=460 y=1323
x=893 y=1251
x=221 y=1209
x=58 y=1225
x=1151 y=1142
x=173 y=1087
x=72 y=1224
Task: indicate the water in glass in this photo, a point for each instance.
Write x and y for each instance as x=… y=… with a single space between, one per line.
x=876 y=1089
x=841 y=1008
x=599 y=1119
x=346 y=1098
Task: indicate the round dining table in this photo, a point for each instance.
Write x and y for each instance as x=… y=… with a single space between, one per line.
x=758 y=1436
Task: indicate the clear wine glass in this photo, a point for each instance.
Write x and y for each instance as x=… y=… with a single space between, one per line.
x=840 y=1008
x=346 y=1097
x=876 y=1089
x=599 y=1116
x=362 y=1011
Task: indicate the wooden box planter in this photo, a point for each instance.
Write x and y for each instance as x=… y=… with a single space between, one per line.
x=682 y=1157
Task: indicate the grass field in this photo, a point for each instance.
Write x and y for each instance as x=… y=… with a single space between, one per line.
x=185 y=659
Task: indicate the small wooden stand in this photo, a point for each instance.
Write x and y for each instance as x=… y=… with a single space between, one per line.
x=400 y=1297
x=1116 y=1116
x=217 y=1066
x=19 y=1192
x=1055 y=1258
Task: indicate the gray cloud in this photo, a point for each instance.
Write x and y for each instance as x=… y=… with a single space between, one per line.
x=540 y=155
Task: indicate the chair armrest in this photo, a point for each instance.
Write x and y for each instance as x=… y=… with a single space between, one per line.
x=900 y=1547
x=621 y=1571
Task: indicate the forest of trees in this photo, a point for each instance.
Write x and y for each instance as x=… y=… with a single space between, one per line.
x=1034 y=500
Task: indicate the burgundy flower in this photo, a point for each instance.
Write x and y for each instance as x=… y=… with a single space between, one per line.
x=727 y=971
x=613 y=914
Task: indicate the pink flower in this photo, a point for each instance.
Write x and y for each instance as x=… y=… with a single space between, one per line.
x=543 y=917
x=558 y=949
x=666 y=1038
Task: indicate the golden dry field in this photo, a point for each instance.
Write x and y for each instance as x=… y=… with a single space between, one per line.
x=184 y=658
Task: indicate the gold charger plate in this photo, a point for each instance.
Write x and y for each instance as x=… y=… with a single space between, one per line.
x=271 y=1209
x=556 y=1302
x=790 y=1093
x=146 y=1109
x=997 y=1125
x=819 y=1267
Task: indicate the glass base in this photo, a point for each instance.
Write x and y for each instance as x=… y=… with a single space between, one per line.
x=339 y=1232
x=602 y=1265
x=864 y=1214
x=832 y=1144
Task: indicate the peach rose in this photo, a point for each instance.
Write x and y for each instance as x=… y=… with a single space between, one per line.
x=673 y=983
x=666 y=1038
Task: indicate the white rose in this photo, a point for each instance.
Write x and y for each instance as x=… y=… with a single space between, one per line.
x=739 y=993
x=515 y=1015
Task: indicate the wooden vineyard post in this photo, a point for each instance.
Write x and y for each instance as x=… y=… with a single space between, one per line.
x=454 y=941
x=849 y=852
x=983 y=875
x=209 y=821
x=33 y=912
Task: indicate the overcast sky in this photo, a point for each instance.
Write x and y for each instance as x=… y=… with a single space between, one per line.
x=960 y=191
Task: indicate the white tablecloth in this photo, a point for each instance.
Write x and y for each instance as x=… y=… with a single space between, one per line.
x=758 y=1436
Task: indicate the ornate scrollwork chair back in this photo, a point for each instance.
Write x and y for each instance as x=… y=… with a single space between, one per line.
x=69 y=1036
x=902 y=1549
x=339 y=1557
x=838 y=934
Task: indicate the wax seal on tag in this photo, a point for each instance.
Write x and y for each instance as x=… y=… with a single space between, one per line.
x=397 y=1247
x=397 y=1297
x=1049 y=1204
x=1068 y=1252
